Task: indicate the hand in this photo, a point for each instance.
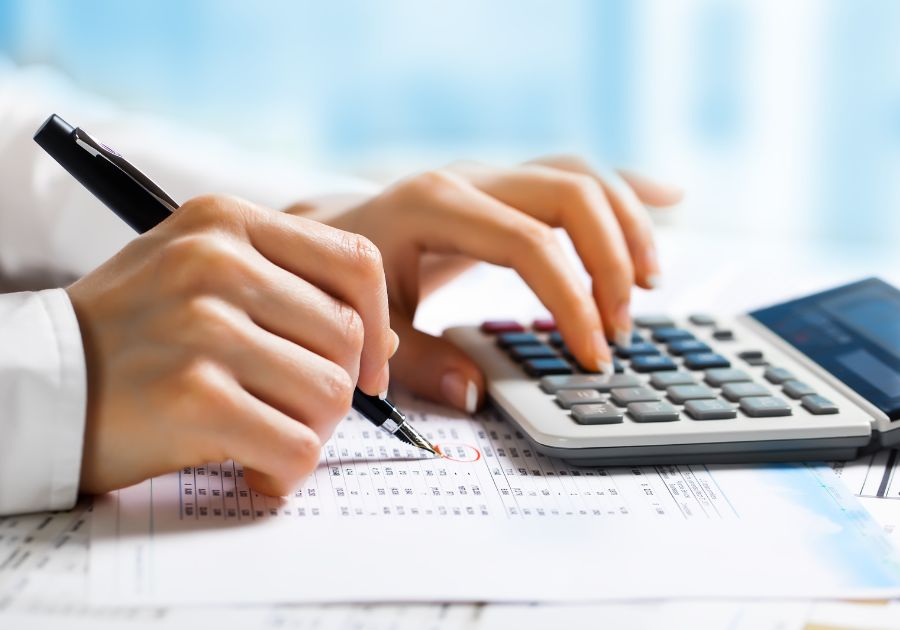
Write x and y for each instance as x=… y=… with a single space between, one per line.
x=431 y=227
x=228 y=332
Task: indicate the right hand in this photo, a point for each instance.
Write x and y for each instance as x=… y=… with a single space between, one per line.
x=229 y=331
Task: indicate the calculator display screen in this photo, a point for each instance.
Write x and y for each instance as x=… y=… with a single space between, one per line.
x=852 y=331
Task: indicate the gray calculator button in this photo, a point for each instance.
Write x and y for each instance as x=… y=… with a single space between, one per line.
x=653 y=321
x=735 y=391
x=568 y=397
x=702 y=319
x=764 y=407
x=719 y=376
x=818 y=405
x=624 y=395
x=777 y=375
x=710 y=410
x=678 y=394
x=662 y=380
x=652 y=412
x=600 y=382
x=797 y=389
x=597 y=413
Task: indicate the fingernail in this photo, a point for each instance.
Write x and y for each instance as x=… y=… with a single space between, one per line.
x=459 y=391
x=623 y=329
x=383 y=379
x=601 y=349
x=651 y=263
x=395 y=346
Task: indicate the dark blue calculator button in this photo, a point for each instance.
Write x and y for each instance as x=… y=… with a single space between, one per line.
x=705 y=360
x=531 y=351
x=668 y=334
x=637 y=349
x=556 y=339
x=505 y=340
x=545 y=367
x=686 y=346
x=652 y=363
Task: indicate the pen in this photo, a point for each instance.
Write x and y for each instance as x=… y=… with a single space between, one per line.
x=143 y=205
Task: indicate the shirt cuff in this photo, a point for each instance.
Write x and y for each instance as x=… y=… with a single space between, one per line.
x=43 y=382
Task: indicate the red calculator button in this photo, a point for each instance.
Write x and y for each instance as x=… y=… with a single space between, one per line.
x=544 y=325
x=501 y=326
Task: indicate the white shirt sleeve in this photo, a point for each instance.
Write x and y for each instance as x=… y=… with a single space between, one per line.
x=43 y=394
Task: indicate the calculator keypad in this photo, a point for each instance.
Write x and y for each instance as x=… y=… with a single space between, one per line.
x=664 y=371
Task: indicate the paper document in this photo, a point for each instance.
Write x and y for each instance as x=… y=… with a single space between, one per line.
x=495 y=521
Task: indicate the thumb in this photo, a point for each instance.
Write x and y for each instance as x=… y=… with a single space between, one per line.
x=436 y=369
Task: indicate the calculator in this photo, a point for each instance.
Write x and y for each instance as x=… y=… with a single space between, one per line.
x=813 y=378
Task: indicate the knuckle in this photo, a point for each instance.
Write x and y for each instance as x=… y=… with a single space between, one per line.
x=338 y=392
x=435 y=183
x=538 y=239
x=200 y=384
x=351 y=328
x=364 y=257
x=579 y=190
x=197 y=261
x=305 y=447
x=208 y=321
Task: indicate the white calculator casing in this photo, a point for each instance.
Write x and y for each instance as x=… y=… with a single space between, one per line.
x=801 y=436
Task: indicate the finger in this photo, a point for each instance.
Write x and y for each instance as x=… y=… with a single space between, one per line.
x=344 y=265
x=276 y=451
x=299 y=383
x=436 y=369
x=295 y=310
x=628 y=210
x=652 y=192
x=469 y=222
x=578 y=204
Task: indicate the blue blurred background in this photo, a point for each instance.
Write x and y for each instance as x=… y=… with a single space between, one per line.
x=775 y=116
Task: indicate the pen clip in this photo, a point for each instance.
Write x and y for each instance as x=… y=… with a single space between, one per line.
x=86 y=142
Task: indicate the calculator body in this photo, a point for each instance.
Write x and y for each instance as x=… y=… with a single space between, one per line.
x=801 y=411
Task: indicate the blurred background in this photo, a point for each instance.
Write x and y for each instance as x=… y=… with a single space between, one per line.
x=777 y=117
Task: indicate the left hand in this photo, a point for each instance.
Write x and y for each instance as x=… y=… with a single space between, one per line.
x=433 y=226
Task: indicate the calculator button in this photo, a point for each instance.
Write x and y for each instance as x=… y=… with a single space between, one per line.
x=723 y=335
x=652 y=363
x=662 y=380
x=818 y=405
x=625 y=395
x=797 y=389
x=637 y=349
x=507 y=339
x=568 y=397
x=701 y=319
x=653 y=321
x=719 y=376
x=668 y=333
x=652 y=412
x=521 y=353
x=543 y=325
x=678 y=394
x=764 y=407
x=686 y=346
x=555 y=339
x=542 y=367
x=597 y=413
x=777 y=375
x=753 y=357
x=600 y=382
x=501 y=326
x=704 y=360
x=735 y=391
x=710 y=410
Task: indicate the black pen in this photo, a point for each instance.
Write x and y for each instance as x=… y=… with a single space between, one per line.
x=143 y=205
